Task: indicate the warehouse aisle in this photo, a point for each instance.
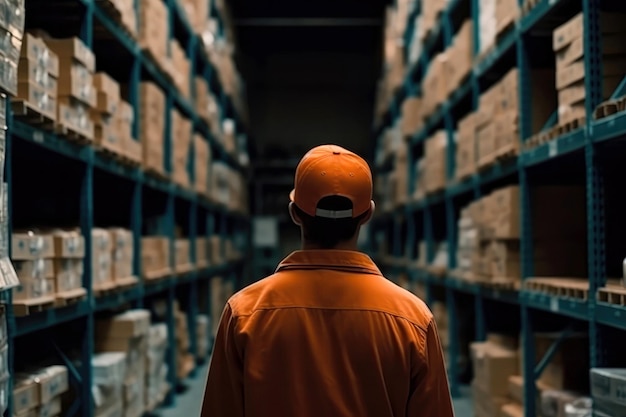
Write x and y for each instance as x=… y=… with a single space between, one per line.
x=189 y=403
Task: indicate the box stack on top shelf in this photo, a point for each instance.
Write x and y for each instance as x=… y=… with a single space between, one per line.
x=568 y=45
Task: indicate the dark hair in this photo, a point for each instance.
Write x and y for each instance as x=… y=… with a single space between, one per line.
x=327 y=233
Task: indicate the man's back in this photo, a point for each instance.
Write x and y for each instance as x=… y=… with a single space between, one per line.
x=327 y=335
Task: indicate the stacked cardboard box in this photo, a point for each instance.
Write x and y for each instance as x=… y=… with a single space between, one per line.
x=10 y=279
x=435 y=157
x=37 y=76
x=202 y=336
x=153 y=33
x=122 y=254
x=506 y=13
x=460 y=57
x=124 y=13
x=494 y=361
x=128 y=333
x=489 y=233
x=157 y=385
x=411 y=116
x=40 y=393
x=207 y=106
x=568 y=44
x=131 y=146
x=216 y=255
x=155 y=257
x=497 y=129
x=76 y=92
x=196 y=12
x=181 y=142
x=152 y=126
x=435 y=87
x=101 y=258
x=515 y=405
x=180 y=68
x=32 y=257
x=202 y=252
x=466 y=147
x=109 y=373
x=185 y=360
x=182 y=256
x=487 y=25
x=12 y=27
x=104 y=114
x=202 y=153
x=69 y=252
x=431 y=10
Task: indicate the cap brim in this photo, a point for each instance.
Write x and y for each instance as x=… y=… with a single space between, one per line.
x=292 y=194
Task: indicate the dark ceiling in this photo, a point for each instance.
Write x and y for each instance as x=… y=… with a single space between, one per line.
x=310 y=70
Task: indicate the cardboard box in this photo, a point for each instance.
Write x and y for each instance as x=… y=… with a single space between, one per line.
x=202 y=153
x=153 y=33
x=183 y=252
x=411 y=116
x=101 y=257
x=152 y=126
x=506 y=13
x=564 y=35
x=68 y=274
x=155 y=253
x=493 y=365
x=435 y=154
x=122 y=253
x=486 y=144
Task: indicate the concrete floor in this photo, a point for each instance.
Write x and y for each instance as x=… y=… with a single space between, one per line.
x=189 y=402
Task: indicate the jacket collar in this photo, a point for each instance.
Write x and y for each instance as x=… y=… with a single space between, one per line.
x=339 y=260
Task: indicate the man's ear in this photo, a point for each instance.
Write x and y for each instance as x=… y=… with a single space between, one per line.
x=294 y=216
x=370 y=213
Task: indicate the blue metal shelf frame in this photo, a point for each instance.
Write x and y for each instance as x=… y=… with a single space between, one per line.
x=584 y=140
x=85 y=311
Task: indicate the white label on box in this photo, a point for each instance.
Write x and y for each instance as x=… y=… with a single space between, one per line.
x=265 y=232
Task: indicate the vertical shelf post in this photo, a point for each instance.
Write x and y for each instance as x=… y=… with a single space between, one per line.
x=86 y=225
x=596 y=250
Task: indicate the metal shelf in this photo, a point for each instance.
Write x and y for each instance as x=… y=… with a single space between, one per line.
x=180 y=206
x=577 y=309
x=445 y=206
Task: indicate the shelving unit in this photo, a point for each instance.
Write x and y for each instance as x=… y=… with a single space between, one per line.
x=588 y=155
x=56 y=181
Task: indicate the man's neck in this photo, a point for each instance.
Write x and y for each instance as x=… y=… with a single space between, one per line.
x=340 y=246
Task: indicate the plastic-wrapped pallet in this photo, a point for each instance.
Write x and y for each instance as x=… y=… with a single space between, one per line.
x=128 y=332
x=156 y=366
x=109 y=370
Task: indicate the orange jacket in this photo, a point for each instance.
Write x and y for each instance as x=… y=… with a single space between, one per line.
x=326 y=336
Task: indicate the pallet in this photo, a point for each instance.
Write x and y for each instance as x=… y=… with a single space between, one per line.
x=561 y=287
x=23 y=110
x=570 y=126
x=104 y=288
x=157 y=174
x=71 y=297
x=609 y=108
x=23 y=308
x=506 y=153
x=184 y=268
x=613 y=293
x=124 y=284
x=117 y=156
x=504 y=284
x=158 y=274
x=72 y=134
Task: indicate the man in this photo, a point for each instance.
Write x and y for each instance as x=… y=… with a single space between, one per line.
x=327 y=335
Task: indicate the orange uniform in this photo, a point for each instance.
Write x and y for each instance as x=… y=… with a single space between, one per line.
x=327 y=336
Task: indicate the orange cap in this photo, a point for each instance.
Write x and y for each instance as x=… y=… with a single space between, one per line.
x=330 y=170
